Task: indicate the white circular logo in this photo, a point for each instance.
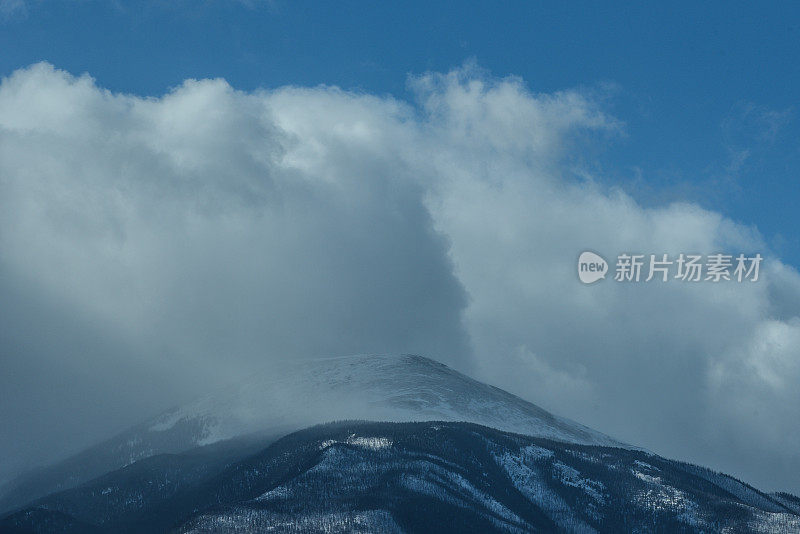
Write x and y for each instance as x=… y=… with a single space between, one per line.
x=591 y=267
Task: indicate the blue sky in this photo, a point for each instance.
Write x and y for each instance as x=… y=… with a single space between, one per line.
x=708 y=94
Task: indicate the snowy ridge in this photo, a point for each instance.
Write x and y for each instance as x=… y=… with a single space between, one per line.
x=398 y=388
x=473 y=474
x=410 y=477
x=370 y=387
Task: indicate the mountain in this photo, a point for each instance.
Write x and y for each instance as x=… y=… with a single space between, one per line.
x=293 y=396
x=414 y=477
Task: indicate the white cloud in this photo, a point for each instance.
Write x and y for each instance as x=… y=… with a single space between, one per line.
x=223 y=227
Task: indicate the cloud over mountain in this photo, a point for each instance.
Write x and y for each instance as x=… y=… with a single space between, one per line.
x=190 y=236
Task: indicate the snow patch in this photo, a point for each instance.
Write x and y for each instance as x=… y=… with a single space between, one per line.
x=371 y=443
x=569 y=476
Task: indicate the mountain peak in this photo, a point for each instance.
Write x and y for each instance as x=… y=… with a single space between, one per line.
x=294 y=395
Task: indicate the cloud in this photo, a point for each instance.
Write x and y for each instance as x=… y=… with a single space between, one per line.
x=659 y=365
x=209 y=229
x=200 y=220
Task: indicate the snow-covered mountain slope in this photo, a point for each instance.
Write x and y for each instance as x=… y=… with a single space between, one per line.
x=297 y=395
x=375 y=387
x=413 y=477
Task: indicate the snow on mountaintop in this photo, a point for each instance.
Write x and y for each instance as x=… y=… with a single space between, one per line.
x=370 y=387
x=295 y=395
